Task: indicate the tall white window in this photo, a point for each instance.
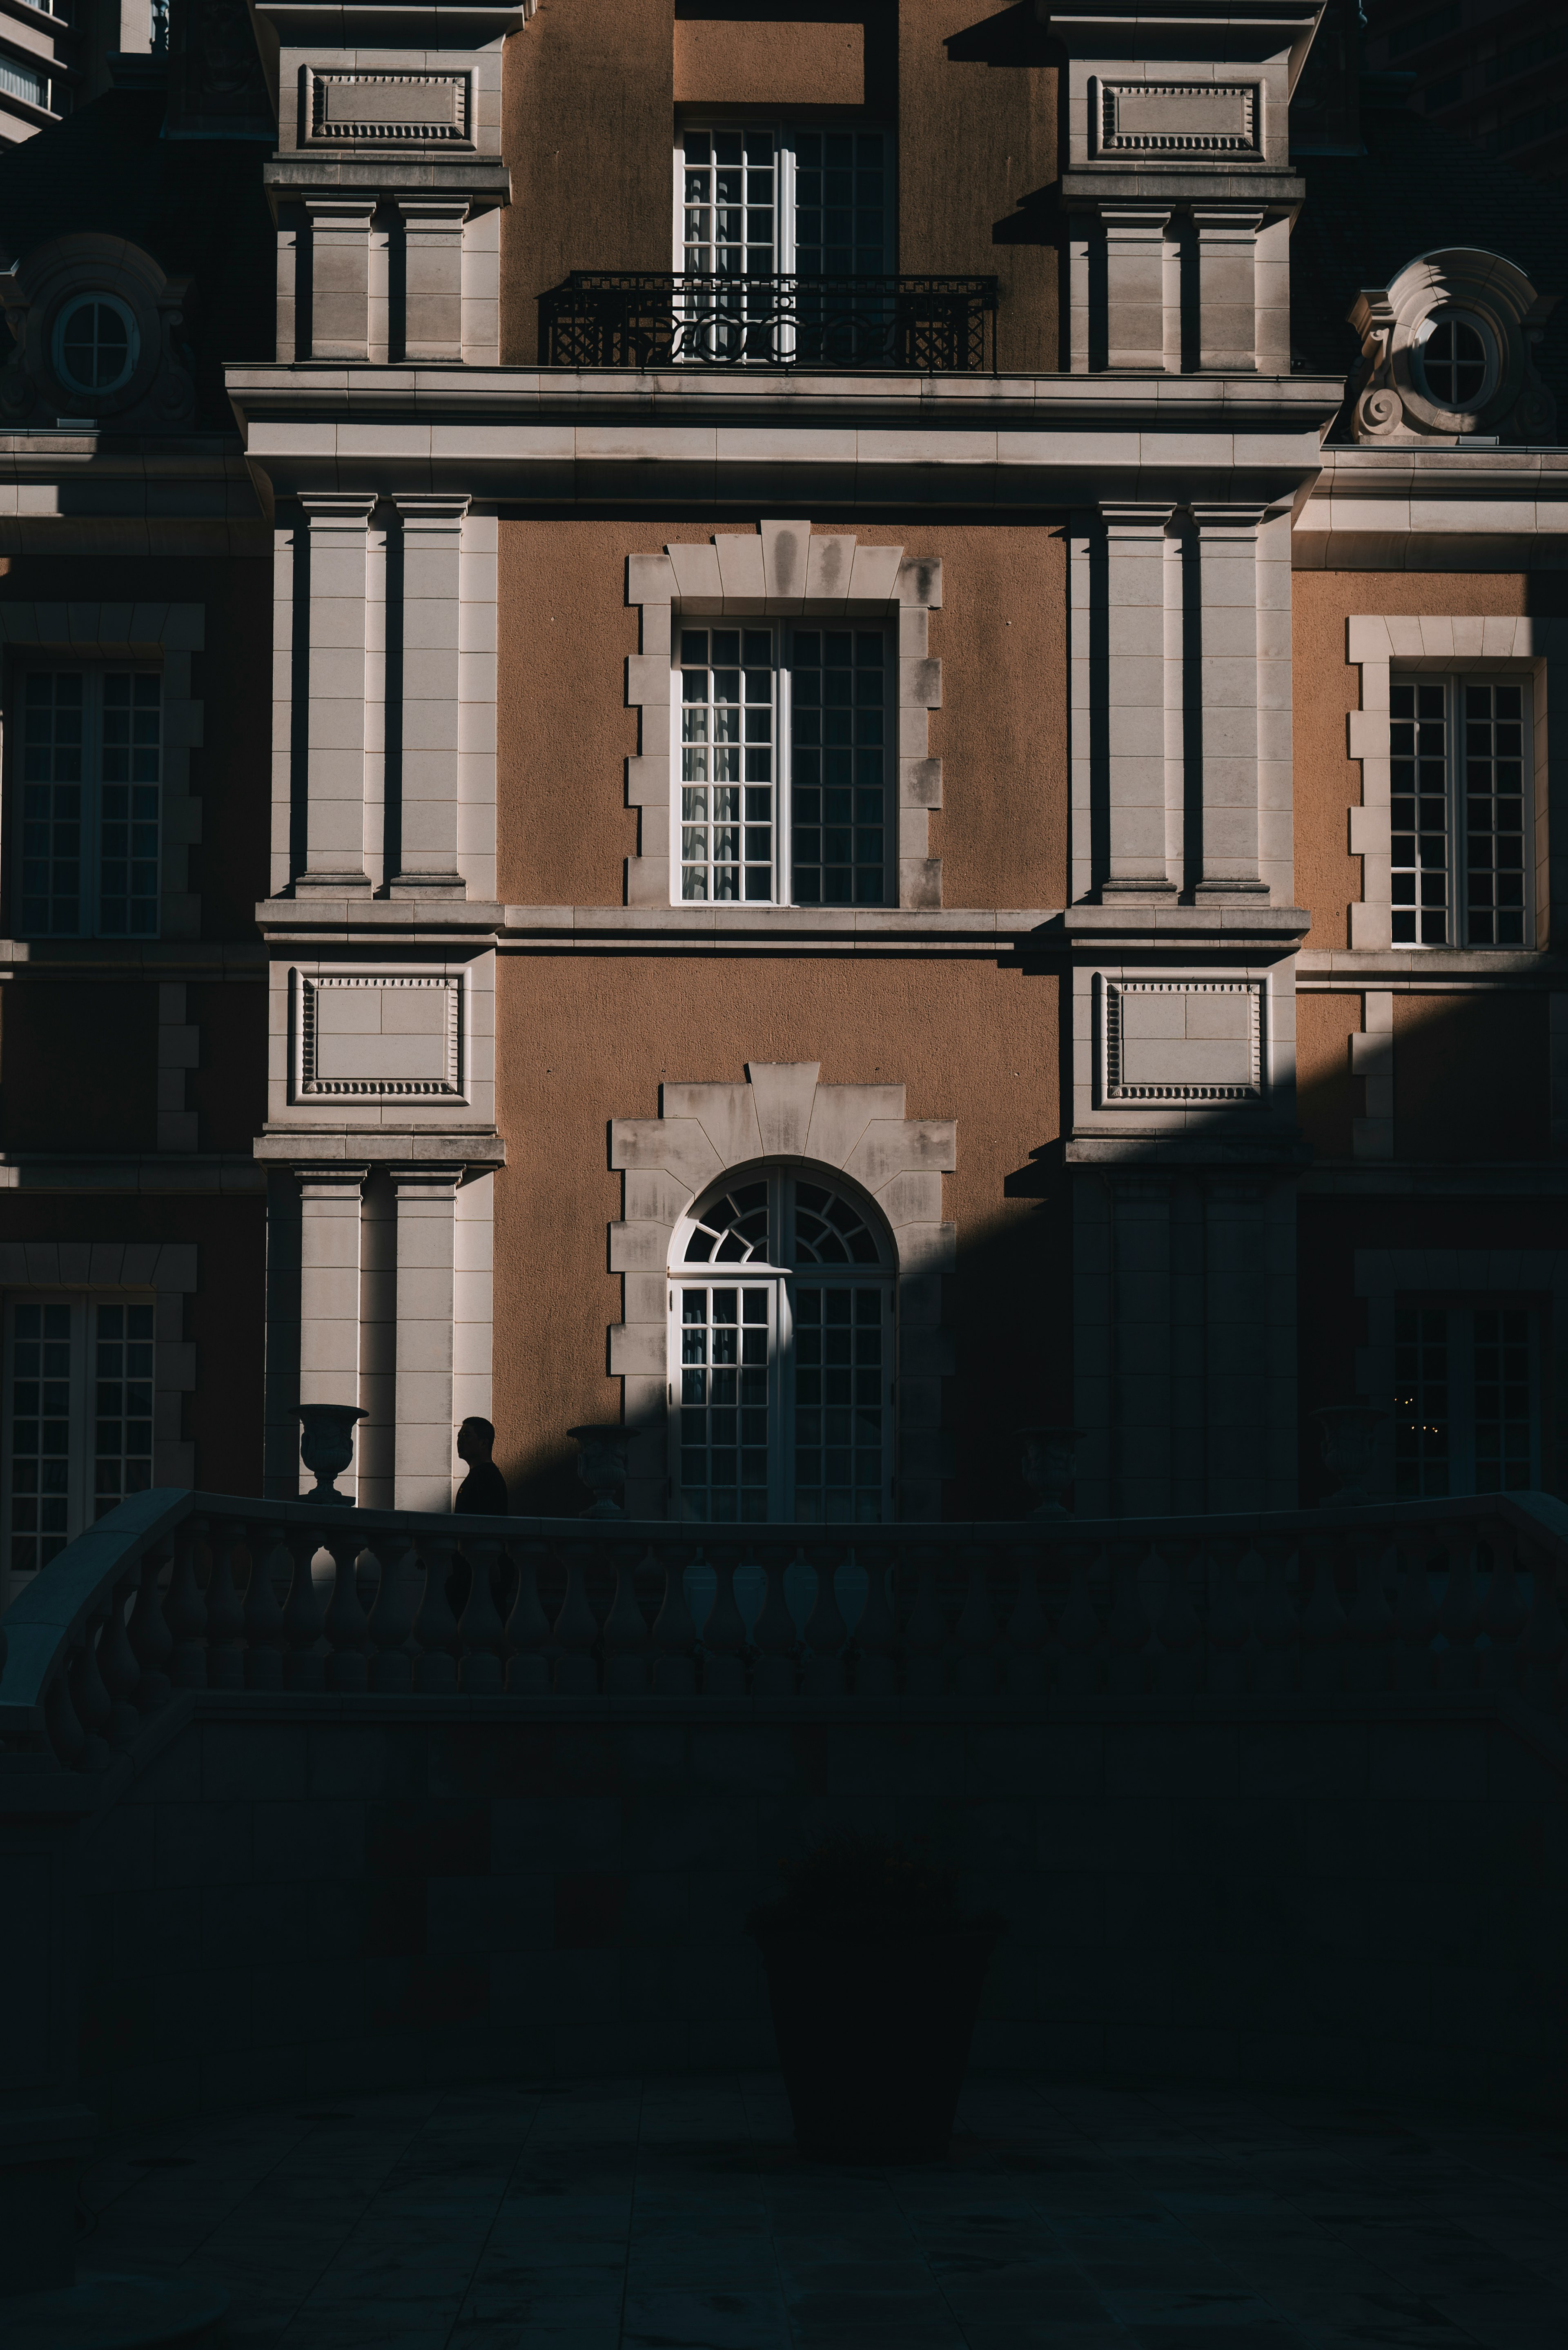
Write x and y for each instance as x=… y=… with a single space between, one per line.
x=760 y=202
x=88 y=794
x=781 y=1357
x=783 y=765
x=1460 y=817
x=1466 y=1407
x=77 y=1417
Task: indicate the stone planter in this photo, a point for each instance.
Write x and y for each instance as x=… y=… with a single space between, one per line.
x=1049 y=1464
x=601 y=1467
x=327 y=1447
x=1349 y=1430
x=873 y=2035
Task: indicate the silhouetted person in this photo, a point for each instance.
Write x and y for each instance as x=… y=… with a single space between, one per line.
x=483 y=1493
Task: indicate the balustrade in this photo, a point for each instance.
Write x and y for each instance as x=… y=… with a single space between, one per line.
x=186 y=1593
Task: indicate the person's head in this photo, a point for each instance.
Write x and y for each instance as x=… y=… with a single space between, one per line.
x=474 y=1439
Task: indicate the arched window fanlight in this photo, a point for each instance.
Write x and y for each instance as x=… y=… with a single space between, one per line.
x=780 y=1356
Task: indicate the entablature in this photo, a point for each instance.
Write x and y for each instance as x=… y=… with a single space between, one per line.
x=1409 y=508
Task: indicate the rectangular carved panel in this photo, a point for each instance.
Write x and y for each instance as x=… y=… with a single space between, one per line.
x=392 y=1036
x=388 y=110
x=1147 y=117
x=1182 y=1040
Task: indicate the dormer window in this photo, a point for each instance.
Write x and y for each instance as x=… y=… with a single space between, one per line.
x=1447 y=351
x=96 y=344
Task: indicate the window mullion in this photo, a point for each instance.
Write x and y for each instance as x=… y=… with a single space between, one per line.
x=783 y=889
x=1458 y=889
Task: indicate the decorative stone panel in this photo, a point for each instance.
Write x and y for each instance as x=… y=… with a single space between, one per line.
x=1170 y=120
x=784 y=572
x=371 y=1036
x=705 y=1132
x=1182 y=1040
x=391 y=109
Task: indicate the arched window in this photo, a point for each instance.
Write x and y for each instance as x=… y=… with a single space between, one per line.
x=781 y=1356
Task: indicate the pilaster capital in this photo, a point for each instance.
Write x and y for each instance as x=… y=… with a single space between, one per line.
x=332 y=1180
x=436 y=511
x=344 y=211
x=430 y=1178
x=1134 y=518
x=448 y=212
x=1237 y=521
x=345 y=510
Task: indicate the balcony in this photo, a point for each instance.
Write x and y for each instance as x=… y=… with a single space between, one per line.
x=656 y=318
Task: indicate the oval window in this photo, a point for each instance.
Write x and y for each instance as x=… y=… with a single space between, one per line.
x=96 y=344
x=1456 y=360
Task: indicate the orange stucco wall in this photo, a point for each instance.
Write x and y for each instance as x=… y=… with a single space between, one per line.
x=1326 y=687
x=588 y=1041
x=564 y=732
x=1470 y=1076
x=1326 y=1093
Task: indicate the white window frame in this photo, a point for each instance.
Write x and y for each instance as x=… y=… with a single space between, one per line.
x=82 y=1488
x=783 y=1280
x=1453 y=683
x=89 y=924
x=784 y=135
x=1460 y=1340
x=783 y=634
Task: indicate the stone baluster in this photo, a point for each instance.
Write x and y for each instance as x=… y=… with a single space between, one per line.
x=226 y=1616
x=825 y=1633
x=391 y=1619
x=1369 y=1628
x=1078 y=1634
x=626 y=1632
x=1413 y=1618
x=926 y=1633
x=876 y=1634
x=1179 y=1659
x=303 y=1665
x=435 y=1625
x=724 y=1633
x=976 y=1632
x=1502 y=1614
x=346 y=1624
x=528 y=1630
x=61 y=1722
x=1458 y=1613
x=1322 y=1624
x=576 y=1631
x=1544 y=1639
x=674 y=1634
x=775 y=1641
x=1128 y=1628
x=1276 y=1625
x=1027 y=1635
x=1229 y=1623
x=116 y=1664
x=481 y=1632
x=266 y=1632
x=90 y=1700
x=185 y=1609
x=149 y=1636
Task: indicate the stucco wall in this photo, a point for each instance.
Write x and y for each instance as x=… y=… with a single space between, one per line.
x=303 y=1897
x=587 y=1040
x=564 y=732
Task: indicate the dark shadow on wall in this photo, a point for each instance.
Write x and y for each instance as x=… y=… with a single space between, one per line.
x=1013 y=36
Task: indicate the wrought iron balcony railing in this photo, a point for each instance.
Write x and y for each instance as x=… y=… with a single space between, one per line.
x=655 y=318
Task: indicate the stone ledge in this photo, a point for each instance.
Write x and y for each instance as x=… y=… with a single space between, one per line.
x=478 y=1148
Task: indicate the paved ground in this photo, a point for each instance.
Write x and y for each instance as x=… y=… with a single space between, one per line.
x=675 y=2215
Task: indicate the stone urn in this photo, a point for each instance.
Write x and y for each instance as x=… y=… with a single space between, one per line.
x=1049 y=1465
x=1348 y=1432
x=601 y=1467
x=327 y=1448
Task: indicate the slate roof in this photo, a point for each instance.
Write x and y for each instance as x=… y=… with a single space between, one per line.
x=1417 y=190
x=195 y=205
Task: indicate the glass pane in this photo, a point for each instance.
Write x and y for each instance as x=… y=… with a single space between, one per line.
x=727 y=756
x=1496 y=759
x=43 y=1434
x=1418 y=812
x=121 y=1388
x=129 y=805
x=839 y=1371
x=1421 y=1401
x=722 y=1417
x=53 y=779
x=839 y=696
x=1505 y=1401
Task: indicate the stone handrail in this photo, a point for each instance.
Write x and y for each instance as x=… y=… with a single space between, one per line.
x=164 y=1594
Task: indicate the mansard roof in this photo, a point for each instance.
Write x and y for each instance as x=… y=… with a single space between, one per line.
x=196 y=205
x=1415 y=189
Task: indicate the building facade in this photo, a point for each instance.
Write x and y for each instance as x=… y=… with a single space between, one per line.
x=824 y=737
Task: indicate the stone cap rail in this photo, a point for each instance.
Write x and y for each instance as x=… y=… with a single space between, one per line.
x=176 y=1591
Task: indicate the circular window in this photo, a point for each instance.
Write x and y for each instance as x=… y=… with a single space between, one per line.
x=1456 y=360
x=96 y=344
